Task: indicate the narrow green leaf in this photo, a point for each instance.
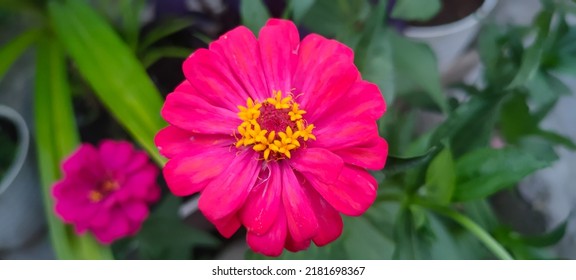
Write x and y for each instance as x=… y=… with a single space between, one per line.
x=483 y=172
x=417 y=63
x=532 y=56
x=112 y=70
x=365 y=242
x=549 y=239
x=418 y=10
x=557 y=138
x=441 y=178
x=254 y=14
x=131 y=10
x=300 y=8
x=153 y=55
x=56 y=138
x=163 y=30
x=14 y=49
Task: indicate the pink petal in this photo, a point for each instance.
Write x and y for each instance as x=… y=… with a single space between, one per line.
x=325 y=72
x=279 y=41
x=189 y=173
x=239 y=49
x=362 y=101
x=227 y=226
x=172 y=141
x=300 y=216
x=263 y=203
x=272 y=242
x=226 y=193
x=212 y=80
x=115 y=155
x=344 y=135
x=321 y=164
x=371 y=156
x=352 y=194
x=329 y=220
x=137 y=212
x=84 y=161
x=294 y=246
x=194 y=114
x=118 y=227
x=137 y=184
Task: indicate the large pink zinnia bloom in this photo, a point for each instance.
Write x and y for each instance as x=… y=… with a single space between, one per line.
x=106 y=190
x=277 y=134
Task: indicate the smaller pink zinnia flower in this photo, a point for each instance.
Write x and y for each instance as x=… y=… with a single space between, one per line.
x=106 y=190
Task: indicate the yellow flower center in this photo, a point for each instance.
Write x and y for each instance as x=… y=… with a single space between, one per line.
x=273 y=127
x=103 y=190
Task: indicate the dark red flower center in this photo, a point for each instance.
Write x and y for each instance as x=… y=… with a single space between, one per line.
x=103 y=190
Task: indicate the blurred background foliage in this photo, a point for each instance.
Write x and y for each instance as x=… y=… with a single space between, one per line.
x=101 y=71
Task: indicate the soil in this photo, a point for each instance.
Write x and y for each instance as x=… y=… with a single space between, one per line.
x=452 y=10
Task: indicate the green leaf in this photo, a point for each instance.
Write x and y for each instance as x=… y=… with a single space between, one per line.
x=14 y=49
x=418 y=10
x=300 y=8
x=410 y=244
x=397 y=164
x=484 y=172
x=254 y=14
x=364 y=242
x=479 y=109
x=379 y=69
x=56 y=138
x=417 y=63
x=489 y=49
x=112 y=70
x=532 y=57
x=549 y=239
x=516 y=120
x=164 y=234
x=153 y=55
x=163 y=30
x=557 y=138
x=441 y=178
x=335 y=18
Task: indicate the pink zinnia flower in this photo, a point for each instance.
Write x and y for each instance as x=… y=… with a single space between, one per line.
x=276 y=134
x=106 y=190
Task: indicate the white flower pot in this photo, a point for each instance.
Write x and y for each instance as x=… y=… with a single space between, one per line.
x=21 y=213
x=449 y=41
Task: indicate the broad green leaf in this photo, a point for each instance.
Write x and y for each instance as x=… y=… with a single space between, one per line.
x=379 y=69
x=479 y=109
x=441 y=178
x=163 y=30
x=368 y=43
x=300 y=8
x=532 y=56
x=112 y=70
x=165 y=236
x=14 y=49
x=483 y=172
x=364 y=242
x=410 y=242
x=417 y=63
x=56 y=138
x=418 y=10
x=516 y=120
x=334 y=18
x=539 y=147
x=489 y=50
x=254 y=14
x=397 y=164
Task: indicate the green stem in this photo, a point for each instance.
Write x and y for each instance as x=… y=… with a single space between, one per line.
x=484 y=237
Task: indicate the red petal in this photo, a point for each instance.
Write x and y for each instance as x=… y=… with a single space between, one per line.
x=227 y=226
x=300 y=216
x=279 y=41
x=263 y=203
x=371 y=156
x=352 y=194
x=321 y=164
x=190 y=173
x=194 y=114
x=239 y=49
x=272 y=242
x=329 y=220
x=212 y=80
x=172 y=141
x=226 y=193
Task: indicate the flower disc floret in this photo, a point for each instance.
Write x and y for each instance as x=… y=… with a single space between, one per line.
x=273 y=127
